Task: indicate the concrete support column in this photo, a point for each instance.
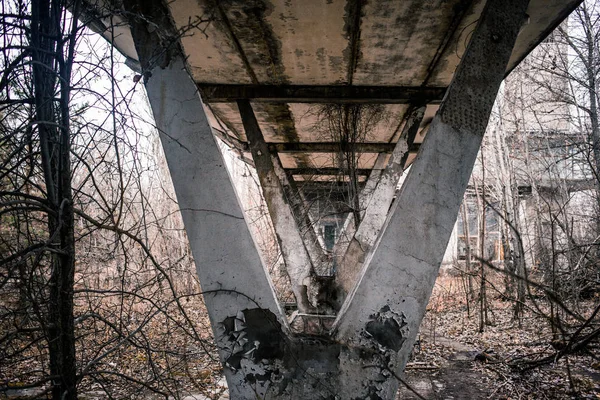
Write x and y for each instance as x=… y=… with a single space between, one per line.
x=272 y=179
x=238 y=290
x=377 y=209
x=375 y=330
x=305 y=223
x=387 y=305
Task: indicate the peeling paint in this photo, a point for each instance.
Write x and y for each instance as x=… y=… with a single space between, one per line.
x=388 y=328
x=253 y=334
x=262 y=360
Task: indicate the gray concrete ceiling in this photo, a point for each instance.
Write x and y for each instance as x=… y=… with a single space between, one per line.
x=292 y=58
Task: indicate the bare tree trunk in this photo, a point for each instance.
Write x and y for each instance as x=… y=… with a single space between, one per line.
x=509 y=280
x=483 y=317
x=514 y=254
x=468 y=268
x=49 y=67
x=519 y=259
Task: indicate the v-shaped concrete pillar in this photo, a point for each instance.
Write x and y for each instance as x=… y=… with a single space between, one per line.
x=388 y=302
x=237 y=290
x=273 y=182
x=375 y=330
x=377 y=209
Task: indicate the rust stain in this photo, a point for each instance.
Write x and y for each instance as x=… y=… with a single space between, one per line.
x=279 y=116
x=352 y=20
x=257 y=40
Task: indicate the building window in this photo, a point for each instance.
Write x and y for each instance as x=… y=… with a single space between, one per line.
x=329 y=236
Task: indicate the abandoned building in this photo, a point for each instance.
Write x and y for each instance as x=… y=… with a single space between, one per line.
x=536 y=132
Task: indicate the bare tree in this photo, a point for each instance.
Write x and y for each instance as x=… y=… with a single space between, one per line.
x=544 y=176
x=96 y=285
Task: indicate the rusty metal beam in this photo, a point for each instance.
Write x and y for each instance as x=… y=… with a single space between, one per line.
x=328 y=147
x=212 y=93
x=323 y=171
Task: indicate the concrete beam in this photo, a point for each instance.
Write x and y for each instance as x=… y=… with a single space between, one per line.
x=324 y=171
x=387 y=304
x=349 y=228
x=330 y=147
x=313 y=147
x=377 y=209
x=305 y=223
x=366 y=194
x=335 y=189
x=273 y=182
x=321 y=94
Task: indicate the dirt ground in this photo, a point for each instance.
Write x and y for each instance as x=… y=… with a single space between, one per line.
x=456 y=372
x=451 y=376
x=453 y=360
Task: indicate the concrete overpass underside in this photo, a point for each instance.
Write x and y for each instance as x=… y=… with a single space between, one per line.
x=322 y=97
